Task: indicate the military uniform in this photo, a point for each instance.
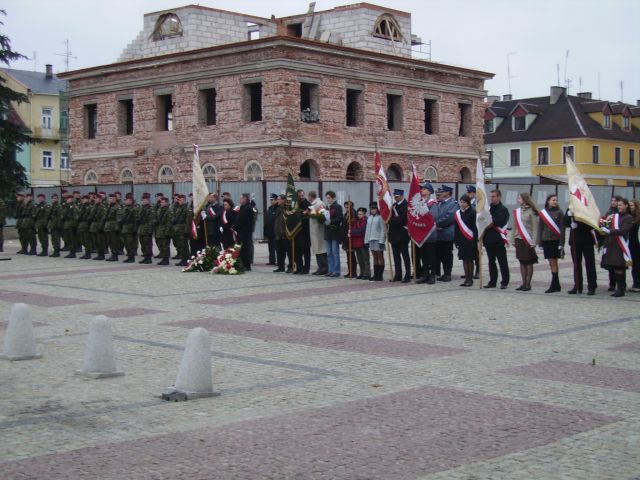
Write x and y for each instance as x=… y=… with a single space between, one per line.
x=41 y=218
x=69 y=225
x=145 y=219
x=29 y=226
x=164 y=225
x=85 y=215
x=112 y=229
x=18 y=216
x=128 y=230
x=96 y=229
x=3 y=216
x=180 y=233
x=54 y=226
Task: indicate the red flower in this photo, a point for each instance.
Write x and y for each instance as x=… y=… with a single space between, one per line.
x=228 y=266
x=235 y=254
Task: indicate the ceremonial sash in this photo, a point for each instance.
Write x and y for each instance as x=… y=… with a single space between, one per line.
x=522 y=230
x=550 y=222
x=503 y=233
x=211 y=212
x=194 y=231
x=224 y=217
x=466 y=231
x=622 y=242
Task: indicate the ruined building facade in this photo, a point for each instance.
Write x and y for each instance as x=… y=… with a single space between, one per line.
x=314 y=94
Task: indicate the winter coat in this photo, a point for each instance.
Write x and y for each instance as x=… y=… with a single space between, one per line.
x=358 y=231
x=467 y=249
x=270 y=221
x=398 y=233
x=444 y=215
x=612 y=256
x=500 y=218
x=545 y=234
x=375 y=230
x=316 y=229
x=530 y=221
x=243 y=224
x=303 y=239
x=332 y=231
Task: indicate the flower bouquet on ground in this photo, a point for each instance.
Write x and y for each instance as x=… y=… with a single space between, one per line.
x=228 y=262
x=203 y=261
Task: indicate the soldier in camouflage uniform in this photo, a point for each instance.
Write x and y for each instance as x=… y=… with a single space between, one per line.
x=164 y=225
x=69 y=225
x=112 y=227
x=96 y=227
x=3 y=217
x=55 y=224
x=77 y=237
x=129 y=227
x=145 y=218
x=41 y=217
x=24 y=247
x=85 y=216
x=29 y=224
x=181 y=229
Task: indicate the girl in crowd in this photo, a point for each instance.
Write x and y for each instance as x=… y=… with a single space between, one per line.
x=634 y=244
x=466 y=238
x=524 y=235
x=374 y=236
x=551 y=237
x=616 y=255
x=228 y=217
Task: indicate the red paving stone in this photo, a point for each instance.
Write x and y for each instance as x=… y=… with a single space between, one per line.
x=581 y=374
x=299 y=293
x=333 y=341
x=633 y=347
x=398 y=436
x=127 y=312
x=39 y=299
x=76 y=271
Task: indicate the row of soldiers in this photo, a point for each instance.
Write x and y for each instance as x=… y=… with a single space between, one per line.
x=97 y=223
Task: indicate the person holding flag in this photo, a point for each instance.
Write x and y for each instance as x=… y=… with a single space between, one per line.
x=551 y=237
x=466 y=238
x=293 y=218
x=200 y=194
x=399 y=237
x=524 y=235
x=495 y=240
x=617 y=255
x=421 y=226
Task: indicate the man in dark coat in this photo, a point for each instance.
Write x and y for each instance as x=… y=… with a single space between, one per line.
x=303 y=239
x=332 y=234
x=399 y=237
x=582 y=243
x=494 y=241
x=244 y=230
x=269 y=228
x=445 y=230
x=211 y=215
x=282 y=241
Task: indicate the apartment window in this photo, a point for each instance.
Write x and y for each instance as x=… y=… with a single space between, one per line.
x=430 y=116
x=253 y=102
x=164 y=111
x=464 y=129
x=489 y=162
x=207 y=106
x=514 y=156
x=355 y=107
x=607 y=121
x=394 y=112
x=309 y=102
x=488 y=126
x=626 y=123
x=64 y=160
x=47 y=159
x=567 y=150
x=125 y=117
x=47 y=114
x=543 y=156
x=595 y=154
x=519 y=124
x=632 y=158
x=617 y=154
x=91 y=120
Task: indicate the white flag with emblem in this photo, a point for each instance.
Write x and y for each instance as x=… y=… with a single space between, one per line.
x=483 y=216
x=581 y=201
x=200 y=190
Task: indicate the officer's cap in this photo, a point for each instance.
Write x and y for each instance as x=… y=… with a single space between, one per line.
x=398 y=192
x=427 y=185
x=445 y=189
x=471 y=189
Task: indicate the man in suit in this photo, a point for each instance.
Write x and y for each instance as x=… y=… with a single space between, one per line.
x=244 y=230
x=211 y=214
x=495 y=241
x=269 y=228
x=399 y=237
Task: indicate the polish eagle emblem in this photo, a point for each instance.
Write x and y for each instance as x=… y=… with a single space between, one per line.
x=418 y=206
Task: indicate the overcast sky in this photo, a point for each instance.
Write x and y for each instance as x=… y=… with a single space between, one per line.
x=601 y=36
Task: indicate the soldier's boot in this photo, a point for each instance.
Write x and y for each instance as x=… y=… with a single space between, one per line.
x=620 y=285
x=100 y=256
x=71 y=254
x=56 y=253
x=165 y=261
x=112 y=258
x=44 y=252
x=130 y=259
x=65 y=248
x=32 y=250
x=145 y=260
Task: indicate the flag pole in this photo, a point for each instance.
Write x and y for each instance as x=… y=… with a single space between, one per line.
x=480 y=261
x=293 y=254
x=206 y=236
x=386 y=226
x=413 y=258
x=349 y=262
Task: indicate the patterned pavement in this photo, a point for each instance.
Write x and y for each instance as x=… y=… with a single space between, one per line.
x=320 y=378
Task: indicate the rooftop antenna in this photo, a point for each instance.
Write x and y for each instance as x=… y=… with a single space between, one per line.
x=599 y=96
x=35 y=65
x=509 y=77
x=579 y=84
x=558 y=72
x=67 y=55
x=621 y=91
x=566 y=61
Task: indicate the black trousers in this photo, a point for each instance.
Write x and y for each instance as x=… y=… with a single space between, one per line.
x=429 y=259
x=283 y=251
x=273 y=247
x=445 y=256
x=303 y=258
x=584 y=251
x=497 y=252
x=246 y=252
x=400 y=254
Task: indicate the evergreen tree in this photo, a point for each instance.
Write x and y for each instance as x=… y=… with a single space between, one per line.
x=13 y=134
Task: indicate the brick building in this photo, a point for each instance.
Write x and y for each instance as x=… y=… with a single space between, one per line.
x=315 y=94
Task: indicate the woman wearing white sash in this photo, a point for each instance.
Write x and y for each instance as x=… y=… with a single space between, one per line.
x=551 y=237
x=634 y=244
x=466 y=238
x=616 y=255
x=524 y=235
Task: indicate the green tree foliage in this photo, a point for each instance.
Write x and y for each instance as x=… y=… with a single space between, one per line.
x=12 y=132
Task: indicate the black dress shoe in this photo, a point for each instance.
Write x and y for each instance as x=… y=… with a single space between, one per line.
x=99 y=257
x=289 y=270
x=526 y=289
x=445 y=278
x=521 y=287
x=591 y=291
x=490 y=285
x=503 y=287
x=164 y=262
x=431 y=280
x=278 y=270
x=55 y=254
x=476 y=276
x=70 y=255
x=406 y=279
x=574 y=291
x=43 y=254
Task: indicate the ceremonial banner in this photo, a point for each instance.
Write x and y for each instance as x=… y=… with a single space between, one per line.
x=200 y=190
x=385 y=200
x=483 y=216
x=420 y=221
x=293 y=217
x=581 y=201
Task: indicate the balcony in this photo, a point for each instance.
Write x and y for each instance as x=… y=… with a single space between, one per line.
x=46 y=133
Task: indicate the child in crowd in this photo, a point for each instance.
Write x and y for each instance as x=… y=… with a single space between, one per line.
x=357 y=233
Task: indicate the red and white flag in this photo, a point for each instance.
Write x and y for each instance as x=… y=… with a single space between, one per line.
x=385 y=200
x=420 y=221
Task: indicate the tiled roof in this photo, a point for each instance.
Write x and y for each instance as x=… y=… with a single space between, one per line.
x=37 y=82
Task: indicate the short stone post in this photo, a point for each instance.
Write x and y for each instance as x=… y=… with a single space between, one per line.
x=194 y=377
x=99 y=360
x=19 y=342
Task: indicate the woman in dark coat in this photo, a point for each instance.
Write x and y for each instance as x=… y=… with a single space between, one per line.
x=551 y=237
x=466 y=238
x=227 y=221
x=616 y=256
x=634 y=244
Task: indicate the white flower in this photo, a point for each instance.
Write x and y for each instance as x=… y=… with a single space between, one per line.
x=192 y=258
x=233 y=271
x=228 y=255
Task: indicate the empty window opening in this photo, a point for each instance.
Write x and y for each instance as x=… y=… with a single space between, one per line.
x=253 y=102
x=125 y=117
x=464 y=129
x=394 y=112
x=387 y=27
x=394 y=173
x=309 y=102
x=294 y=30
x=354 y=108
x=207 y=106
x=253 y=31
x=430 y=117
x=165 y=112
x=355 y=171
x=91 y=120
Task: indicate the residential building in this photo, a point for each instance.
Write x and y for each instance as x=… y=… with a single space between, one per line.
x=315 y=94
x=527 y=139
x=46 y=162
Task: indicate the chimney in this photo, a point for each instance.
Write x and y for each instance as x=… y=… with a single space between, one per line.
x=556 y=93
x=491 y=99
x=585 y=95
x=49 y=73
x=506 y=98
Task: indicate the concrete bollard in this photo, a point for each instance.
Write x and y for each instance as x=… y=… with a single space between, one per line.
x=19 y=342
x=99 y=360
x=194 y=377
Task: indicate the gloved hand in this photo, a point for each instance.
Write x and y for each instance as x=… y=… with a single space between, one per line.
x=203 y=215
x=605 y=229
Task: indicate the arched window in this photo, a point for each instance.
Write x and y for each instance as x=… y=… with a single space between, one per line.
x=465 y=175
x=394 y=173
x=168 y=25
x=308 y=170
x=165 y=175
x=355 y=171
x=126 y=176
x=209 y=172
x=431 y=174
x=91 y=178
x=253 y=171
x=387 y=27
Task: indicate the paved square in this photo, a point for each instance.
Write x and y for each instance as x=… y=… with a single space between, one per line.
x=320 y=378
